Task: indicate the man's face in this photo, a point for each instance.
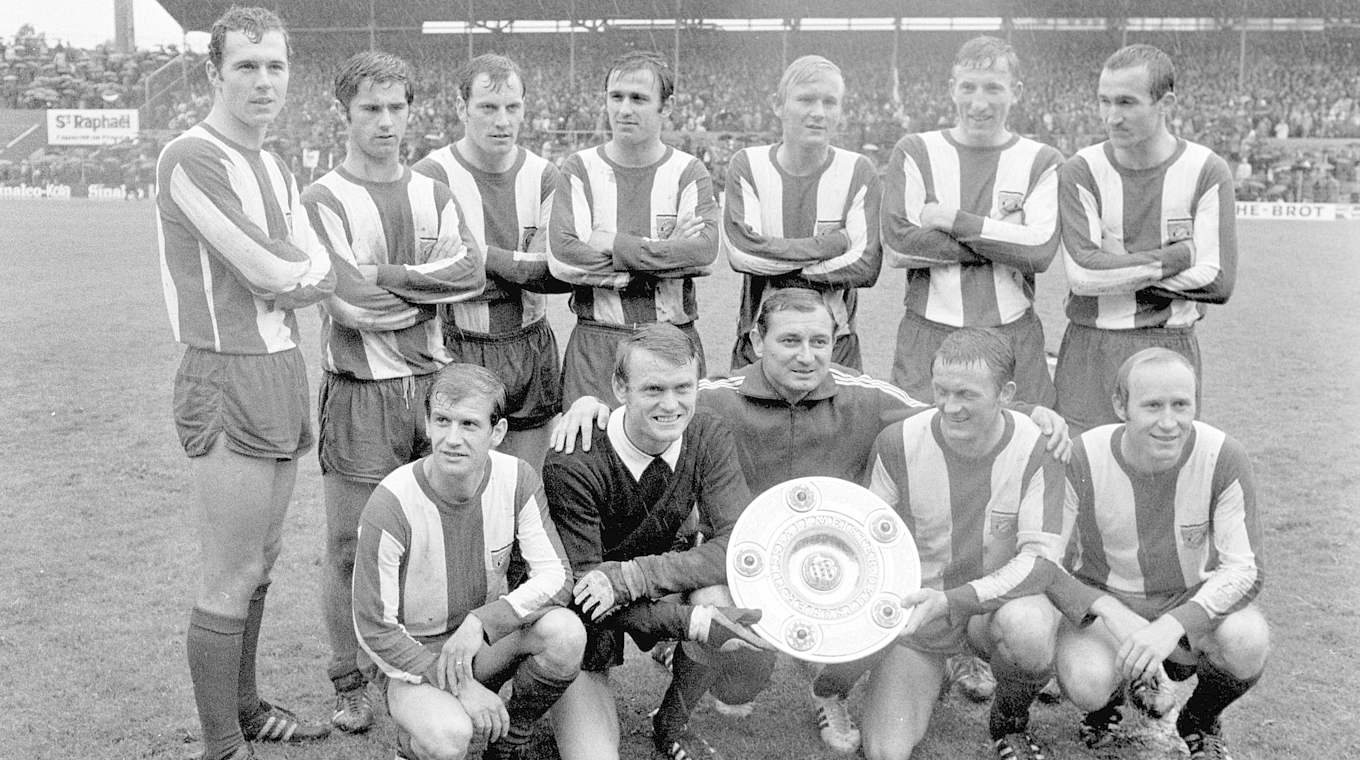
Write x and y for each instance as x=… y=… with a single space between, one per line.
x=983 y=100
x=795 y=350
x=658 y=400
x=811 y=111
x=1158 y=415
x=378 y=114
x=969 y=401
x=1131 y=117
x=633 y=102
x=252 y=81
x=493 y=114
x=461 y=434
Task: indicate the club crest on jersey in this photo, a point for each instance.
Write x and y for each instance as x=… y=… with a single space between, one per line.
x=526 y=236
x=1194 y=536
x=1010 y=202
x=1179 y=229
x=1005 y=524
x=665 y=226
x=500 y=558
x=829 y=225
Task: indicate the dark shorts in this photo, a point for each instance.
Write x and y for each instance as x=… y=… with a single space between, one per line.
x=588 y=365
x=371 y=427
x=526 y=361
x=919 y=338
x=1090 y=358
x=845 y=352
x=259 y=401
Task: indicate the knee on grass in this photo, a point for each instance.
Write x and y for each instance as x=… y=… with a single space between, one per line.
x=447 y=741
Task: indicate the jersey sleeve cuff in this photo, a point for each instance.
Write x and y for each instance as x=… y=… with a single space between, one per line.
x=498 y=619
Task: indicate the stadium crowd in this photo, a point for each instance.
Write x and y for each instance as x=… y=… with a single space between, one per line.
x=1294 y=86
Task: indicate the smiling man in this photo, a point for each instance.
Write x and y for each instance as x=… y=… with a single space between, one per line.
x=441 y=628
x=984 y=502
x=1148 y=236
x=399 y=248
x=802 y=213
x=971 y=212
x=506 y=196
x=237 y=260
x=1168 y=538
x=619 y=507
x=634 y=222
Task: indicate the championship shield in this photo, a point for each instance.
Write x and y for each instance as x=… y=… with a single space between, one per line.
x=828 y=564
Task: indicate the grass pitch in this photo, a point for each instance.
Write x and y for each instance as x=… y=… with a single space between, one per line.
x=99 y=554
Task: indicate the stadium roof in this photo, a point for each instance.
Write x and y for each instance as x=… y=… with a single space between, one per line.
x=319 y=15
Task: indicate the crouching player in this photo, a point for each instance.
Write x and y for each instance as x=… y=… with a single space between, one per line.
x=1167 y=528
x=431 y=604
x=984 y=501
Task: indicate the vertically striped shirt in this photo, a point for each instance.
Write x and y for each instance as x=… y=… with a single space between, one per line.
x=410 y=229
x=423 y=563
x=648 y=277
x=1147 y=247
x=1192 y=528
x=988 y=529
x=819 y=231
x=507 y=213
x=1005 y=228
x=237 y=255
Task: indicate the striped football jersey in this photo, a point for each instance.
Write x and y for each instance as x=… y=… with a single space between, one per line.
x=410 y=229
x=648 y=277
x=423 y=563
x=1147 y=247
x=988 y=529
x=1192 y=528
x=819 y=231
x=237 y=255
x=507 y=213
x=1005 y=228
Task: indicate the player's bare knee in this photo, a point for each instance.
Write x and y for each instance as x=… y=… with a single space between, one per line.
x=447 y=740
x=1241 y=643
x=1087 y=677
x=1023 y=633
x=564 y=642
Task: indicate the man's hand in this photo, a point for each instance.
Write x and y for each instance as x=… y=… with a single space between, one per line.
x=576 y=422
x=598 y=594
x=1141 y=654
x=1054 y=426
x=486 y=710
x=687 y=226
x=937 y=217
x=455 y=657
x=926 y=604
x=602 y=241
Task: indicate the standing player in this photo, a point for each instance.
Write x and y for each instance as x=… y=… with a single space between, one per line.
x=505 y=193
x=237 y=258
x=432 y=606
x=984 y=501
x=971 y=212
x=802 y=213
x=634 y=222
x=619 y=507
x=1148 y=236
x=398 y=248
x=1168 y=532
